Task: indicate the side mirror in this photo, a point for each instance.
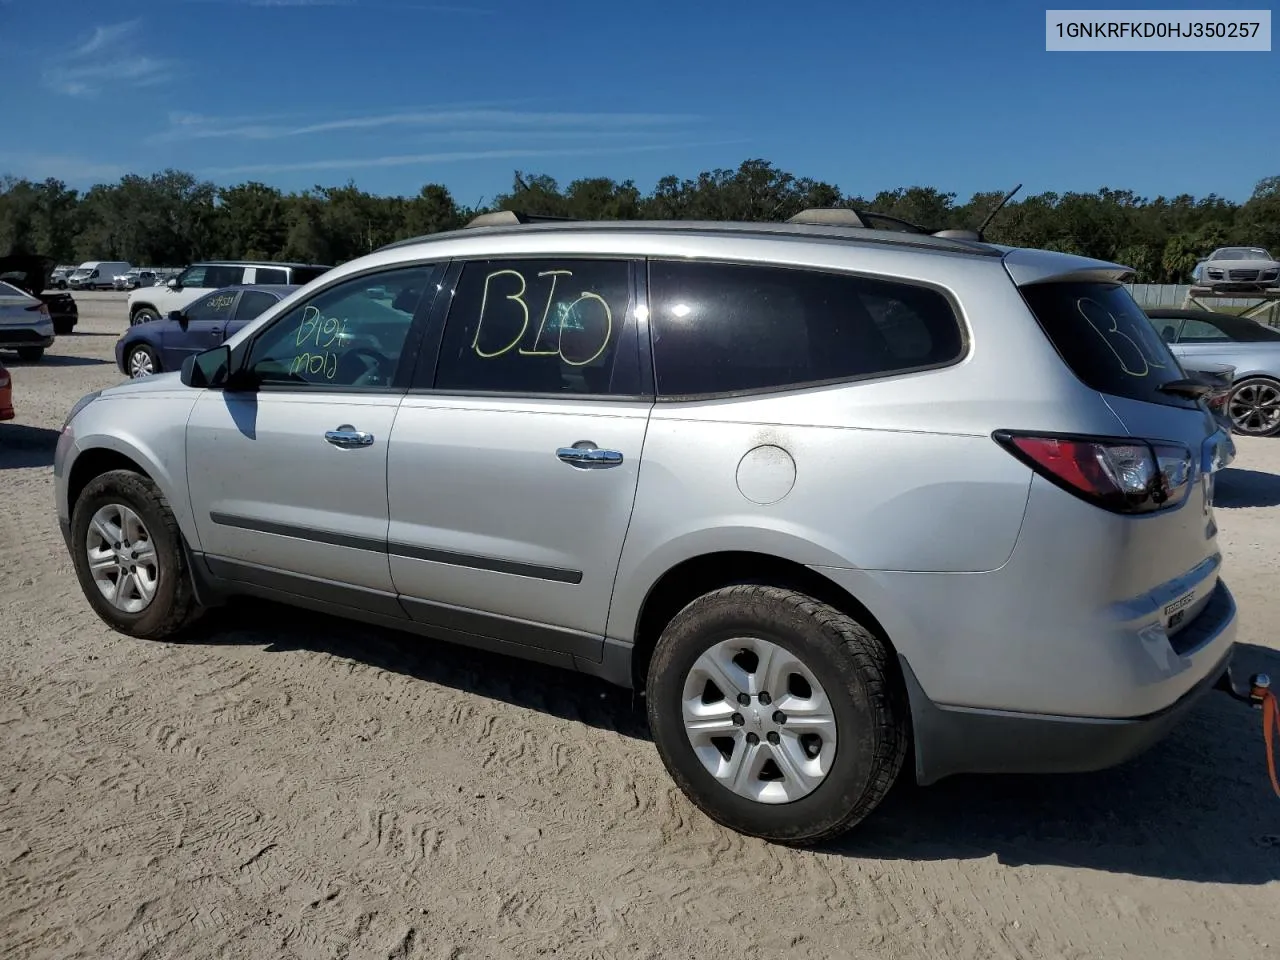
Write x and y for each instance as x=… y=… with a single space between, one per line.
x=178 y=317
x=173 y=283
x=208 y=369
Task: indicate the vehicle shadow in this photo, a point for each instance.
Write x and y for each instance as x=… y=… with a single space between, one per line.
x=1246 y=488
x=1197 y=806
x=54 y=360
x=22 y=446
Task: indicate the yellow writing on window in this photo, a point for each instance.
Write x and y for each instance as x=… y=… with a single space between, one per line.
x=515 y=285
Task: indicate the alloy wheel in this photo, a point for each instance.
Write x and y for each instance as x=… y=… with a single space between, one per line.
x=1254 y=408
x=758 y=720
x=140 y=364
x=122 y=558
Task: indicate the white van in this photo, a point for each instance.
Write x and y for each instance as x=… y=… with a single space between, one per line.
x=97 y=274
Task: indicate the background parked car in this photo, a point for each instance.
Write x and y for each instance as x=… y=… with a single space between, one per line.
x=6 y=394
x=58 y=279
x=135 y=278
x=1203 y=336
x=25 y=324
x=97 y=274
x=31 y=275
x=161 y=345
x=206 y=277
x=1240 y=268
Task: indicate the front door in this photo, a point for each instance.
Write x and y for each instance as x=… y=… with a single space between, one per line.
x=514 y=464
x=204 y=328
x=289 y=481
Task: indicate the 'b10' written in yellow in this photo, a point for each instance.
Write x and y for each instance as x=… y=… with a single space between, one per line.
x=514 y=280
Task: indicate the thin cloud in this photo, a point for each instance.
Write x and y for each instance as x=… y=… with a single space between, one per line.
x=371 y=4
x=416 y=159
x=195 y=128
x=106 y=59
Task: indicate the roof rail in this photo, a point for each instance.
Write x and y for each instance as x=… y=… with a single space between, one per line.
x=506 y=218
x=848 y=217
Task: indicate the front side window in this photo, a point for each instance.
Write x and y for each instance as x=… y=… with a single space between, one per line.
x=550 y=326
x=193 y=277
x=1199 y=331
x=344 y=336
x=725 y=328
x=214 y=307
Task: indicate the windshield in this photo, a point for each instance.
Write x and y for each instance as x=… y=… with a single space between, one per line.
x=1242 y=253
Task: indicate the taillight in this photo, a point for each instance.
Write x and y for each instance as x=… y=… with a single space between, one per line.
x=4 y=379
x=1120 y=475
x=40 y=308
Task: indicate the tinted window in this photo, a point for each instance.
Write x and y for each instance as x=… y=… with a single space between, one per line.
x=538 y=326
x=223 y=276
x=252 y=303
x=1106 y=339
x=720 y=328
x=193 y=277
x=1244 y=329
x=344 y=336
x=1199 y=331
x=304 y=275
x=271 y=275
x=216 y=306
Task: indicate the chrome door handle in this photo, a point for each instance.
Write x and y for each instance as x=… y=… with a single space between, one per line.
x=347 y=436
x=589 y=456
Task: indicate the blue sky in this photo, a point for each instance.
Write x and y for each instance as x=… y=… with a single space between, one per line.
x=397 y=93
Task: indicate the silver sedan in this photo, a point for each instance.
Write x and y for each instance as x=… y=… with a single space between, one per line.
x=1201 y=336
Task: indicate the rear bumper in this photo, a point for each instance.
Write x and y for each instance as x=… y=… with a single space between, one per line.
x=952 y=740
x=13 y=339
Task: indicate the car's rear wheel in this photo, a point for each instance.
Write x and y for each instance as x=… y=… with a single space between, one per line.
x=63 y=327
x=143 y=315
x=127 y=552
x=30 y=354
x=141 y=361
x=777 y=715
x=1254 y=407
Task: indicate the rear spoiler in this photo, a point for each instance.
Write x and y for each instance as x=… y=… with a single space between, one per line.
x=1027 y=266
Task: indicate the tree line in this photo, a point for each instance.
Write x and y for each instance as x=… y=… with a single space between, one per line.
x=171 y=218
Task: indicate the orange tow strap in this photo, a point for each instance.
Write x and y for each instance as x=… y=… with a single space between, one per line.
x=1270 y=719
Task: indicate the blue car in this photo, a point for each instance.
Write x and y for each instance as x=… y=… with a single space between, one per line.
x=161 y=345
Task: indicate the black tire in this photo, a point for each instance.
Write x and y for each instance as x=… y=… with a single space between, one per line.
x=1243 y=410
x=854 y=668
x=63 y=328
x=30 y=354
x=174 y=605
x=143 y=315
x=142 y=348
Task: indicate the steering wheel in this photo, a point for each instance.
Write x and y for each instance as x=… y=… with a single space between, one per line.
x=372 y=375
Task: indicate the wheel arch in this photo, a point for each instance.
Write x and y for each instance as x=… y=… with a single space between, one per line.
x=698 y=575
x=142 y=305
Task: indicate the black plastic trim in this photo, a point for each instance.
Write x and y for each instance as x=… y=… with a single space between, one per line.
x=510 y=630
x=409 y=551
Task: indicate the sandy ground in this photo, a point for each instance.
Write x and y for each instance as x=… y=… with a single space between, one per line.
x=283 y=785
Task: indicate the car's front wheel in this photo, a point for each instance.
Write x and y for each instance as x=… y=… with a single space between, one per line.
x=143 y=315
x=127 y=552
x=777 y=715
x=1254 y=407
x=141 y=361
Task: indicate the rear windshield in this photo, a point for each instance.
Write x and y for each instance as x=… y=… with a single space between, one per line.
x=1106 y=339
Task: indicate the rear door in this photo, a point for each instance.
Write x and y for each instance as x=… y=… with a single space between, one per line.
x=513 y=466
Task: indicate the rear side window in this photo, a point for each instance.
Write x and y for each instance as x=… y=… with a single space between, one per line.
x=1106 y=339
x=725 y=328
x=271 y=275
x=252 y=303
x=223 y=276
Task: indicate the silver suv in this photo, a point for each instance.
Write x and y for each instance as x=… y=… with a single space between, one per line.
x=827 y=495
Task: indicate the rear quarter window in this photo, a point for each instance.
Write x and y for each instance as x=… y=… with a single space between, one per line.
x=1106 y=339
